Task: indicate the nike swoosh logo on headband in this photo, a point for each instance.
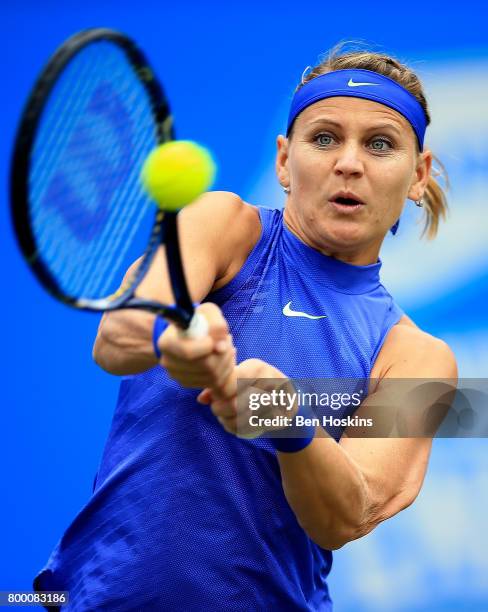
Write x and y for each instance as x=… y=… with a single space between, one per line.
x=353 y=84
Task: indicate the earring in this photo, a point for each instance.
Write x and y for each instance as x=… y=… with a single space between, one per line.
x=420 y=202
x=286 y=189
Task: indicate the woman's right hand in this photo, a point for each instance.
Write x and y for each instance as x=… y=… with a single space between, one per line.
x=202 y=362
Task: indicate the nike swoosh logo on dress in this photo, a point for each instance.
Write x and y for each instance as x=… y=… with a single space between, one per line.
x=288 y=312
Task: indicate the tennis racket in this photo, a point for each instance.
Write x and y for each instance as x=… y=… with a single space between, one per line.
x=79 y=212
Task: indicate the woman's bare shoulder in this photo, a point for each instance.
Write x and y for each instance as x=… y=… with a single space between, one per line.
x=222 y=227
x=409 y=351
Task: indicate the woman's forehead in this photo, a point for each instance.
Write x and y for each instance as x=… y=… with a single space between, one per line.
x=343 y=109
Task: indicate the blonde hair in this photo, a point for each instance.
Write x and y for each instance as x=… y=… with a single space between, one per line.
x=434 y=198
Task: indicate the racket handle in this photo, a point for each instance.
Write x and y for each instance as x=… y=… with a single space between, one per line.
x=198 y=327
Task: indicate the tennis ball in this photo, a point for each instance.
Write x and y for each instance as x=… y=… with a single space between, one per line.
x=177 y=172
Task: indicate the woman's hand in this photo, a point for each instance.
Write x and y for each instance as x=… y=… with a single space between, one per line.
x=202 y=362
x=263 y=397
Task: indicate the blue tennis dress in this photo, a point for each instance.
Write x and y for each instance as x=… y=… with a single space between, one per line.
x=184 y=516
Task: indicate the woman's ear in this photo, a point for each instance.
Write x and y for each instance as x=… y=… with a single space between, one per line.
x=421 y=177
x=282 y=161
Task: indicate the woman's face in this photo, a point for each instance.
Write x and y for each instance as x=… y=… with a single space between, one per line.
x=354 y=148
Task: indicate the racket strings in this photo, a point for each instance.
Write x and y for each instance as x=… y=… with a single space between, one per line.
x=87 y=204
x=53 y=138
x=73 y=102
x=109 y=251
x=123 y=228
x=49 y=146
x=120 y=221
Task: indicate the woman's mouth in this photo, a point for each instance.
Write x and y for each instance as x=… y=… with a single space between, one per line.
x=346 y=205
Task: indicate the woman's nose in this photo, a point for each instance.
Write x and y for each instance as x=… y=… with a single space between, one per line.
x=348 y=161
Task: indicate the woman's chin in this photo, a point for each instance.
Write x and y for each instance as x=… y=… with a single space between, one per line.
x=345 y=234
x=356 y=244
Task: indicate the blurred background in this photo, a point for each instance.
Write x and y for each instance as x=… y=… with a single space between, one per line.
x=230 y=70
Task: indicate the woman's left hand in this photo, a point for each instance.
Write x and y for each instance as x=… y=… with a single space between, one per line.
x=263 y=398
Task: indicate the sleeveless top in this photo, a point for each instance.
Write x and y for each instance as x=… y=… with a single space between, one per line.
x=186 y=517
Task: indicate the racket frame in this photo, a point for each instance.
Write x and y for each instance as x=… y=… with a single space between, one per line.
x=165 y=227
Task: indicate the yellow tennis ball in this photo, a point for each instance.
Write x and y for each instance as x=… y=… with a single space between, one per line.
x=176 y=173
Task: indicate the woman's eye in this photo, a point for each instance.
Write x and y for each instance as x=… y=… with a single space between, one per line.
x=381 y=144
x=323 y=139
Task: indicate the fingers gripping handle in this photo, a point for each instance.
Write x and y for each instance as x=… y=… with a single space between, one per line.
x=198 y=328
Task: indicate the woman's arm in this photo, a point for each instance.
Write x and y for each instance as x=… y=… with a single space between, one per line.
x=340 y=492
x=217 y=233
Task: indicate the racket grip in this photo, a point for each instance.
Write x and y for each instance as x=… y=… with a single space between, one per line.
x=198 y=327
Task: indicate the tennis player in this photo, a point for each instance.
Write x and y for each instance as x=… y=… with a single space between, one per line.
x=185 y=514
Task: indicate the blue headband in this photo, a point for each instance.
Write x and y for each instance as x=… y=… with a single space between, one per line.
x=365 y=84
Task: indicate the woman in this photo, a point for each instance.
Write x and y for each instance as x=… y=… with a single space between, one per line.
x=185 y=514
